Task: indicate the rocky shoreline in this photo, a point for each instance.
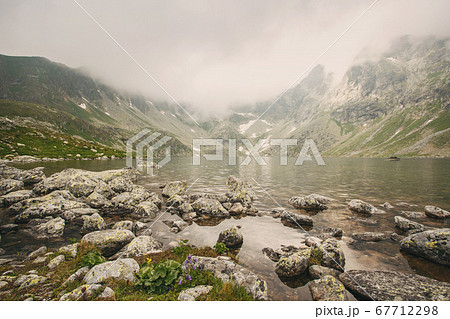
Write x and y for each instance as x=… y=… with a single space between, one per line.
x=114 y=254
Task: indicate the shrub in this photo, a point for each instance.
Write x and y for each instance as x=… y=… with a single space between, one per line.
x=220 y=248
x=159 y=279
x=92 y=258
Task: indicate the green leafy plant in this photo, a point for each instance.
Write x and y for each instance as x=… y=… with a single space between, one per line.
x=92 y=258
x=220 y=248
x=160 y=278
x=182 y=249
x=73 y=240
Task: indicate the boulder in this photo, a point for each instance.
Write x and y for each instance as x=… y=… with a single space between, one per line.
x=30 y=280
x=147 y=209
x=410 y=214
x=362 y=207
x=55 y=262
x=226 y=270
x=176 y=225
x=77 y=215
x=84 y=292
x=231 y=237
x=294 y=264
x=9 y=185
x=174 y=188
x=433 y=245
x=15 y=197
x=97 y=200
x=70 y=250
x=175 y=201
x=107 y=294
x=327 y=288
x=236 y=209
x=121 y=269
x=27 y=177
x=310 y=202
x=407 y=225
x=120 y=185
x=210 y=207
x=124 y=224
x=48 y=228
x=329 y=254
x=192 y=293
x=4 y=229
x=139 y=246
x=38 y=252
x=239 y=191
x=129 y=201
x=109 y=241
x=393 y=286
x=78 y=275
x=92 y=223
x=436 y=212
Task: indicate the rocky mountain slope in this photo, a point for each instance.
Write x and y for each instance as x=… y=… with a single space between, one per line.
x=397 y=105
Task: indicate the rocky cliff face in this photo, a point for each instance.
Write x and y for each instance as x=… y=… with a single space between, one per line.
x=397 y=105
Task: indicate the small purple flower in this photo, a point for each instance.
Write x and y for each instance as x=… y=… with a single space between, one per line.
x=189 y=257
x=195 y=260
x=187 y=266
x=194 y=267
x=189 y=277
x=180 y=282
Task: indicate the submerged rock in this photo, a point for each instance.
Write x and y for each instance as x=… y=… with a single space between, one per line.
x=407 y=225
x=433 y=245
x=227 y=270
x=316 y=271
x=121 y=269
x=176 y=225
x=393 y=286
x=327 y=288
x=109 y=241
x=371 y=236
x=294 y=264
x=436 y=212
x=296 y=220
x=362 y=207
x=231 y=237
x=409 y=214
x=174 y=188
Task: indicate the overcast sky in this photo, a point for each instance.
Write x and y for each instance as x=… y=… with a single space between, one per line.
x=210 y=54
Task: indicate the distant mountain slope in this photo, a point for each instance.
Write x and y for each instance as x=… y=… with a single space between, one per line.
x=397 y=105
x=75 y=104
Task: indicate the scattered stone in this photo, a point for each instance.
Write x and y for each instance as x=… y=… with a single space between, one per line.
x=407 y=225
x=139 y=246
x=78 y=275
x=227 y=270
x=393 y=286
x=238 y=191
x=84 y=292
x=109 y=241
x=192 y=293
x=293 y=265
x=387 y=206
x=174 y=188
x=327 y=288
x=436 y=212
x=55 y=262
x=236 y=209
x=70 y=250
x=93 y=223
x=121 y=269
x=296 y=220
x=147 y=209
x=97 y=200
x=47 y=228
x=433 y=245
x=38 y=252
x=231 y=237
x=329 y=254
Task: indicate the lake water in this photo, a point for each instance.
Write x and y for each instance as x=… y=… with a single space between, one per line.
x=415 y=181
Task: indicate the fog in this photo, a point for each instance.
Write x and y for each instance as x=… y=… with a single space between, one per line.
x=211 y=54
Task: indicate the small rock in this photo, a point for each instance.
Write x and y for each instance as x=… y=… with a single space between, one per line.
x=436 y=212
x=107 y=294
x=124 y=224
x=139 y=246
x=84 y=292
x=371 y=236
x=55 y=262
x=407 y=225
x=387 y=205
x=109 y=241
x=360 y=206
x=176 y=225
x=236 y=209
x=70 y=249
x=293 y=265
x=121 y=269
x=26 y=281
x=192 y=293
x=40 y=251
x=409 y=214
x=174 y=188
x=316 y=271
x=93 y=223
x=231 y=237
x=78 y=275
x=296 y=220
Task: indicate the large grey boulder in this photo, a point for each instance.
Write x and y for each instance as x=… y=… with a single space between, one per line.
x=139 y=246
x=30 y=176
x=129 y=201
x=327 y=288
x=121 y=269
x=147 y=208
x=109 y=241
x=239 y=191
x=433 y=245
x=436 y=212
x=231 y=237
x=330 y=254
x=393 y=286
x=30 y=280
x=92 y=223
x=9 y=185
x=210 y=207
x=15 y=197
x=193 y=293
x=76 y=215
x=47 y=228
x=174 y=188
x=294 y=264
x=226 y=270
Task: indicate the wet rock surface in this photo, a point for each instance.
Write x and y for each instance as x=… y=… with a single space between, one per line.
x=433 y=245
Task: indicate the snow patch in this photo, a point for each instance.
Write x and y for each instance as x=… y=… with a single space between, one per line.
x=244 y=127
x=192 y=130
x=83 y=106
